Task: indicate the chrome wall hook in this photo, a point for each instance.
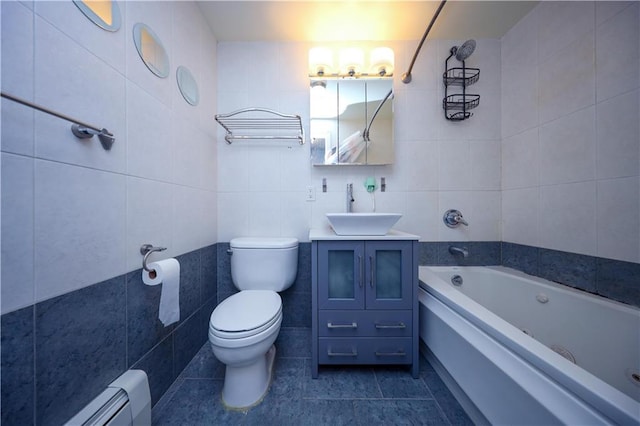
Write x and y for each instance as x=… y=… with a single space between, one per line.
x=146 y=250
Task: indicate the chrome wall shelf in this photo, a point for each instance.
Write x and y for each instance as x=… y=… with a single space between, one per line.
x=261 y=123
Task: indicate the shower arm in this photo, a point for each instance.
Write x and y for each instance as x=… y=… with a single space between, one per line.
x=365 y=133
x=406 y=77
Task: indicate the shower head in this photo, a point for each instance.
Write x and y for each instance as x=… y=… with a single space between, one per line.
x=465 y=50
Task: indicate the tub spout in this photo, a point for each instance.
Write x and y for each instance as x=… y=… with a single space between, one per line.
x=459 y=250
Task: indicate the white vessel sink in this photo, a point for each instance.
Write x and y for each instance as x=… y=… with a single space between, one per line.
x=362 y=223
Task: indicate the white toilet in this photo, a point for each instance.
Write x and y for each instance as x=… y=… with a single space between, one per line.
x=244 y=326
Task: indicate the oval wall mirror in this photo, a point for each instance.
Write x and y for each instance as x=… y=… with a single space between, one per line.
x=151 y=50
x=105 y=14
x=187 y=85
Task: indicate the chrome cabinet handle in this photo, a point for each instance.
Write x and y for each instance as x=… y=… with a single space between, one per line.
x=330 y=353
x=371 y=268
x=352 y=325
x=400 y=353
x=387 y=326
x=360 y=271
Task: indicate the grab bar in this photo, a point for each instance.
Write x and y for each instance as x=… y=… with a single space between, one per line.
x=79 y=129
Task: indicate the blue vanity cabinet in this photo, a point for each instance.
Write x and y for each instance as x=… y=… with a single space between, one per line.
x=364 y=301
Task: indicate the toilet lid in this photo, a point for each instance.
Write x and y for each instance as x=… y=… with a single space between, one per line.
x=246 y=310
x=263 y=242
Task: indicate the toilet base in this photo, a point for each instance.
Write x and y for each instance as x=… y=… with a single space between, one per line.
x=245 y=387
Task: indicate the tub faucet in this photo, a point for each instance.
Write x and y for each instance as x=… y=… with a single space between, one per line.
x=459 y=250
x=453 y=218
x=350 y=199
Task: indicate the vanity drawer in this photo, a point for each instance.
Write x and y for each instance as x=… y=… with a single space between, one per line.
x=364 y=350
x=370 y=323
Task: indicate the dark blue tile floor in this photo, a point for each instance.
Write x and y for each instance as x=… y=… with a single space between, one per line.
x=340 y=396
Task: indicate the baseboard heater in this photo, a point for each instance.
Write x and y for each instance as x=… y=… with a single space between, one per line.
x=125 y=402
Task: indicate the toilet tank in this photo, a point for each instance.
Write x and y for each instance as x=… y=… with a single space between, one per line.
x=260 y=263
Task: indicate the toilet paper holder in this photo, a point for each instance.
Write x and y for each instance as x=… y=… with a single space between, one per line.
x=146 y=250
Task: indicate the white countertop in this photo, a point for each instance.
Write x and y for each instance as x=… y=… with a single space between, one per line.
x=328 y=234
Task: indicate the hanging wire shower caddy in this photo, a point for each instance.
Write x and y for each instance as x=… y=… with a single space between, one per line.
x=457 y=105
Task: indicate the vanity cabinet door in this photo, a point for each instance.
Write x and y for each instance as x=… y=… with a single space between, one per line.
x=389 y=274
x=341 y=275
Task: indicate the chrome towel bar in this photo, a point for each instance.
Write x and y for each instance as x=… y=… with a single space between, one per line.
x=79 y=129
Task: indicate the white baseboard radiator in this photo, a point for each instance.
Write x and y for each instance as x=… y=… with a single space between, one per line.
x=125 y=402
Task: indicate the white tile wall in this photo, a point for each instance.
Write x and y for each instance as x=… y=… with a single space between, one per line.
x=560 y=90
x=567 y=79
x=68 y=19
x=567 y=217
x=520 y=154
x=520 y=216
x=561 y=23
x=149 y=147
x=17 y=232
x=579 y=163
x=17 y=77
x=431 y=153
x=79 y=227
x=72 y=80
x=73 y=213
x=567 y=148
x=617 y=150
x=617 y=64
x=618 y=238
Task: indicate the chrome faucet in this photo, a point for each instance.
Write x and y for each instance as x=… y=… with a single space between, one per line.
x=350 y=199
x=459 y=250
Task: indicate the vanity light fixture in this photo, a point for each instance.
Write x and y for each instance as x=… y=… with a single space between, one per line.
x=320 y=61
x=351 y=62
x=382 y=61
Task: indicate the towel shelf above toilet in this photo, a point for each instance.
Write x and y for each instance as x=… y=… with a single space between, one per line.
x=261 y=123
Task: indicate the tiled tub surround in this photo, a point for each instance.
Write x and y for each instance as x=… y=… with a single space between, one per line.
x=613 y=279
x=610 y=278
x=59 y=354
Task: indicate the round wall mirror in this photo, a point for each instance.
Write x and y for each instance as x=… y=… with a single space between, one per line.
x=187 y=85
x=151 y=50
x=105 y=14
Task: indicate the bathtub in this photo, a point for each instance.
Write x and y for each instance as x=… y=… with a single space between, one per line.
x=493 y=336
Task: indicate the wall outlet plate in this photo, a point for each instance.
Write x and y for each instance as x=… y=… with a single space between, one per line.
x=311 y=193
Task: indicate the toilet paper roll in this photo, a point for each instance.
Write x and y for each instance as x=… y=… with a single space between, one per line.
x=167 y=272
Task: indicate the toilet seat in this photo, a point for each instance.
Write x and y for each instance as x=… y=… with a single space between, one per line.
x=245 y=314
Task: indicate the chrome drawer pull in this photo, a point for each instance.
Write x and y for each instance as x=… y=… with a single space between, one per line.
x=399 y=325
x=391 y=353
x=330 y=353
x=352 y=325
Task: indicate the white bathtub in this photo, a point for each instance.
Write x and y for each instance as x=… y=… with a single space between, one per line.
x=480 y=332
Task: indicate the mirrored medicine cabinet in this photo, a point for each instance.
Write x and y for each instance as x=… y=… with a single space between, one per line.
x=351 y=121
